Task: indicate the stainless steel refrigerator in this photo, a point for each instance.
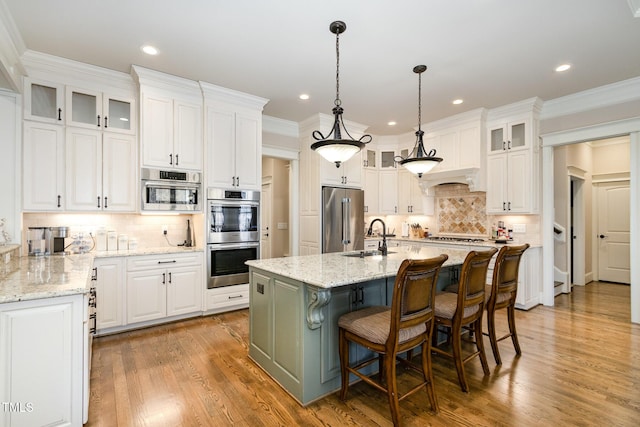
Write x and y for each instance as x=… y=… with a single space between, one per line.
x=342 y=219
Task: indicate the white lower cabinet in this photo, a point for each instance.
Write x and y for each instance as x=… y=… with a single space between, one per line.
x=162 y=286
x=42 y=344
x=227 y=298
x=109 y=293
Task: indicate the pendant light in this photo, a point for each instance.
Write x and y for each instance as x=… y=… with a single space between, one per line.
x=332 y=146
x=419 y=161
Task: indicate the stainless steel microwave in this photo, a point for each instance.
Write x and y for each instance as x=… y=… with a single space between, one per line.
x=173 y=191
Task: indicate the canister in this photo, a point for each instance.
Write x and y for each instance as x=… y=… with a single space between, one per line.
x=123 y=242
x=101 y=239
x=112 y=240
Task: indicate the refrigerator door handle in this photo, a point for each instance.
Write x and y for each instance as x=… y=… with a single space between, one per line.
x=346 y=224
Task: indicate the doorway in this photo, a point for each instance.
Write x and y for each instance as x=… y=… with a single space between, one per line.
x=577 y=244
x=275 y=215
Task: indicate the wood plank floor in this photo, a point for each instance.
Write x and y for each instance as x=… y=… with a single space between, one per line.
x=580 y=366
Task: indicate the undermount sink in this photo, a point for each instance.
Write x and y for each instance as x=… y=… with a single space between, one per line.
x=363 y=254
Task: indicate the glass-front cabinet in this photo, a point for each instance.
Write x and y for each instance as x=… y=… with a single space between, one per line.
x=43 y=101
x=508 y=136
x=97 y=110
x=369 y=159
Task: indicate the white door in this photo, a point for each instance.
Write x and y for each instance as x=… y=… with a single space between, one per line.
x=187 y=139
x=613 y=232
x=83 y=151
x=119 y=183
x=184 y=290
x=265 y=222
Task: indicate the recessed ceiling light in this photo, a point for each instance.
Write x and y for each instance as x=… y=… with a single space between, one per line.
x=304 y=96
x=563 y=67
x=391 y=123
x=457 y=101
x=149 y=50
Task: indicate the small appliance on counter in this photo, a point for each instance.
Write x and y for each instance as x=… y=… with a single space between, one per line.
x=39 y=241
x=58 y=235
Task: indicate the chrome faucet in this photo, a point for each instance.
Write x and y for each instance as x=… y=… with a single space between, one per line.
x=381 y=248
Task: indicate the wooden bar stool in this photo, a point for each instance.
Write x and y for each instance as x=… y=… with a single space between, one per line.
x=502 y=294
x=389 y=331
x=464 y=309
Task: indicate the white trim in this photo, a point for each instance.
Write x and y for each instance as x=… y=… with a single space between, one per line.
x=602 y=96
x=280 y=153
x=610 y=177
x=522 y=107
x=216 y=93
x=280 y=126
x=604 y=130
x=589 y=133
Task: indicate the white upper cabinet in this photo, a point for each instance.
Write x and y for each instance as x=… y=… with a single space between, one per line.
x=513 y=159
x=90 y=109
x=371 y=192
x=43 y=101
x=233 y=134
x=349 y=174
x=43 y=167
x=388 y=191
x=171 y=131
x=171 y=135
x=100 y=171
x=411 y=200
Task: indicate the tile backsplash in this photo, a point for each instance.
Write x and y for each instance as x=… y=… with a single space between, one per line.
x=459 y=211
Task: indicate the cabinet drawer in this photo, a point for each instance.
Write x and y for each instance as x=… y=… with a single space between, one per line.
x=146 y=262
x=230 y=297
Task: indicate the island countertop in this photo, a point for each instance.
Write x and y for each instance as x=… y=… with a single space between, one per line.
x=339 y=269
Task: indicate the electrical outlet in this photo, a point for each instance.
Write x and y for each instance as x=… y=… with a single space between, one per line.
x=165 y=229
x=519 y=228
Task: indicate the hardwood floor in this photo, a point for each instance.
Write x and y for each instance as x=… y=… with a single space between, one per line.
x=580 y=366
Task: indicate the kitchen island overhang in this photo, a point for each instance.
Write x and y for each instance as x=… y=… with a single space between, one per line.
x=295 y=303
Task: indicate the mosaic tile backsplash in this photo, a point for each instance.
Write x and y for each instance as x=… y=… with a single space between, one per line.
x=460 y=211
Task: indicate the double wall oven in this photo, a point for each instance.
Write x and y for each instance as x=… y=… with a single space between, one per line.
x=233 y=235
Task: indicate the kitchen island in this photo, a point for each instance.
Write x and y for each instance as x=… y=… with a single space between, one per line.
x=295 y=303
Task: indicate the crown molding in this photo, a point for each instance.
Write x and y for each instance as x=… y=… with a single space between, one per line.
x=473 y=116
x=54 y=68
x=602 y=96
x=530 y=105
x=280 y=126
x=214 y=93
x=11 y=48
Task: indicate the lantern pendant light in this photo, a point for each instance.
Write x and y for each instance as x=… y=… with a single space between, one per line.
x=332 y=146
x=419 y=161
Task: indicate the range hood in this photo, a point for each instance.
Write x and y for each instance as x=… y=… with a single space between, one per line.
x=470 y=176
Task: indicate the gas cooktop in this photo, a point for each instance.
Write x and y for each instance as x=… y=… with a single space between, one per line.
x=456 y=239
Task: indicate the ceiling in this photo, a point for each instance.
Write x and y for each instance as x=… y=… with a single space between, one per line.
x=487 y=52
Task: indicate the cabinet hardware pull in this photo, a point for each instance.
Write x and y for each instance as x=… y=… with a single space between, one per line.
x=177 y=159
x=504 y=145
x=105 y=202
x=59 y=113
x=98 y=124
x=509 y=206
x=105 y=122
x=170 y=159
x=94 y=276
x=234 y=296
x=59 y=200
x=163 y=278
x=98 y=201
x=360 y=295
x=169 y=277
x=508 y=145
x=167 y=262
x=238 y=181
x=504 y=206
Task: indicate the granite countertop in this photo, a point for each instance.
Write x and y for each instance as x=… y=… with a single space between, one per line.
x=148 y=251
x=485 y=243
x=28 y=278
x=336 y=269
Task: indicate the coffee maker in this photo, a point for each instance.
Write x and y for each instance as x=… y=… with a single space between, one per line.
x=58 y=235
